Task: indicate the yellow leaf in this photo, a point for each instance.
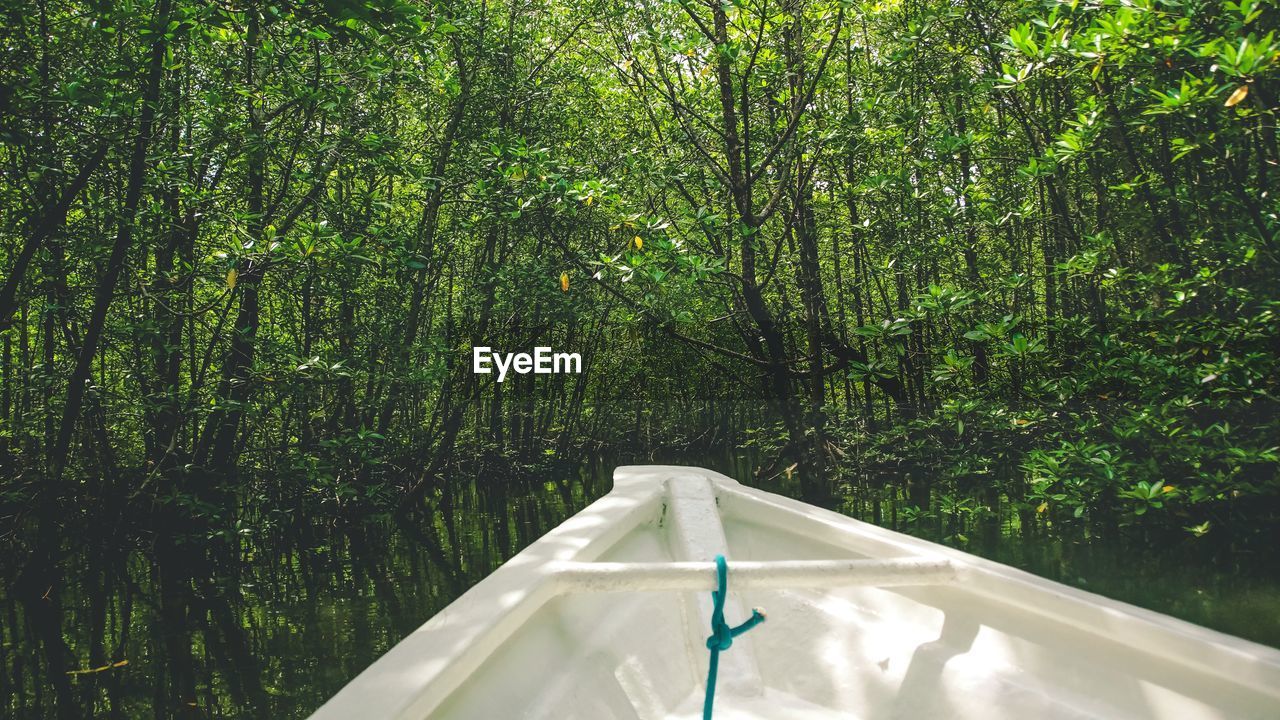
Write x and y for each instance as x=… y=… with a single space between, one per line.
x=1043 y=506
x=639 y=242
x=1167 y=488
x=232 y=276
x=564 y=282
x=1240 y=94
x=590 y=199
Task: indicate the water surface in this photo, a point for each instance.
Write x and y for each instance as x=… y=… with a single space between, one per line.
x=278 y=624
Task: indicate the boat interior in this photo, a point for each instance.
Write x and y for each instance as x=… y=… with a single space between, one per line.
x=989 y=643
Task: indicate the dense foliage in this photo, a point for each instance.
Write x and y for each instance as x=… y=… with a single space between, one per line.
x=988 y=255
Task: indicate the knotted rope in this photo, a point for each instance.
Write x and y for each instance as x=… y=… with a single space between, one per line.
x=721 y=634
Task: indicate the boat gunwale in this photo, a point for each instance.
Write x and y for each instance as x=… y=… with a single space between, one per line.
x=1232 y=658
x=413 y=678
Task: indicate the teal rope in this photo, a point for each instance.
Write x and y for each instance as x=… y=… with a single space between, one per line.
x=721 y=634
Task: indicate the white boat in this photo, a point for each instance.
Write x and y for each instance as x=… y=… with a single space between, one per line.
x=606 y=617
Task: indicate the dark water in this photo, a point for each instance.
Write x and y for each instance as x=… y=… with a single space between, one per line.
x=282 y=621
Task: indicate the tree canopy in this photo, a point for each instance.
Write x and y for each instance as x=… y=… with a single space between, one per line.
x=985 y=252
